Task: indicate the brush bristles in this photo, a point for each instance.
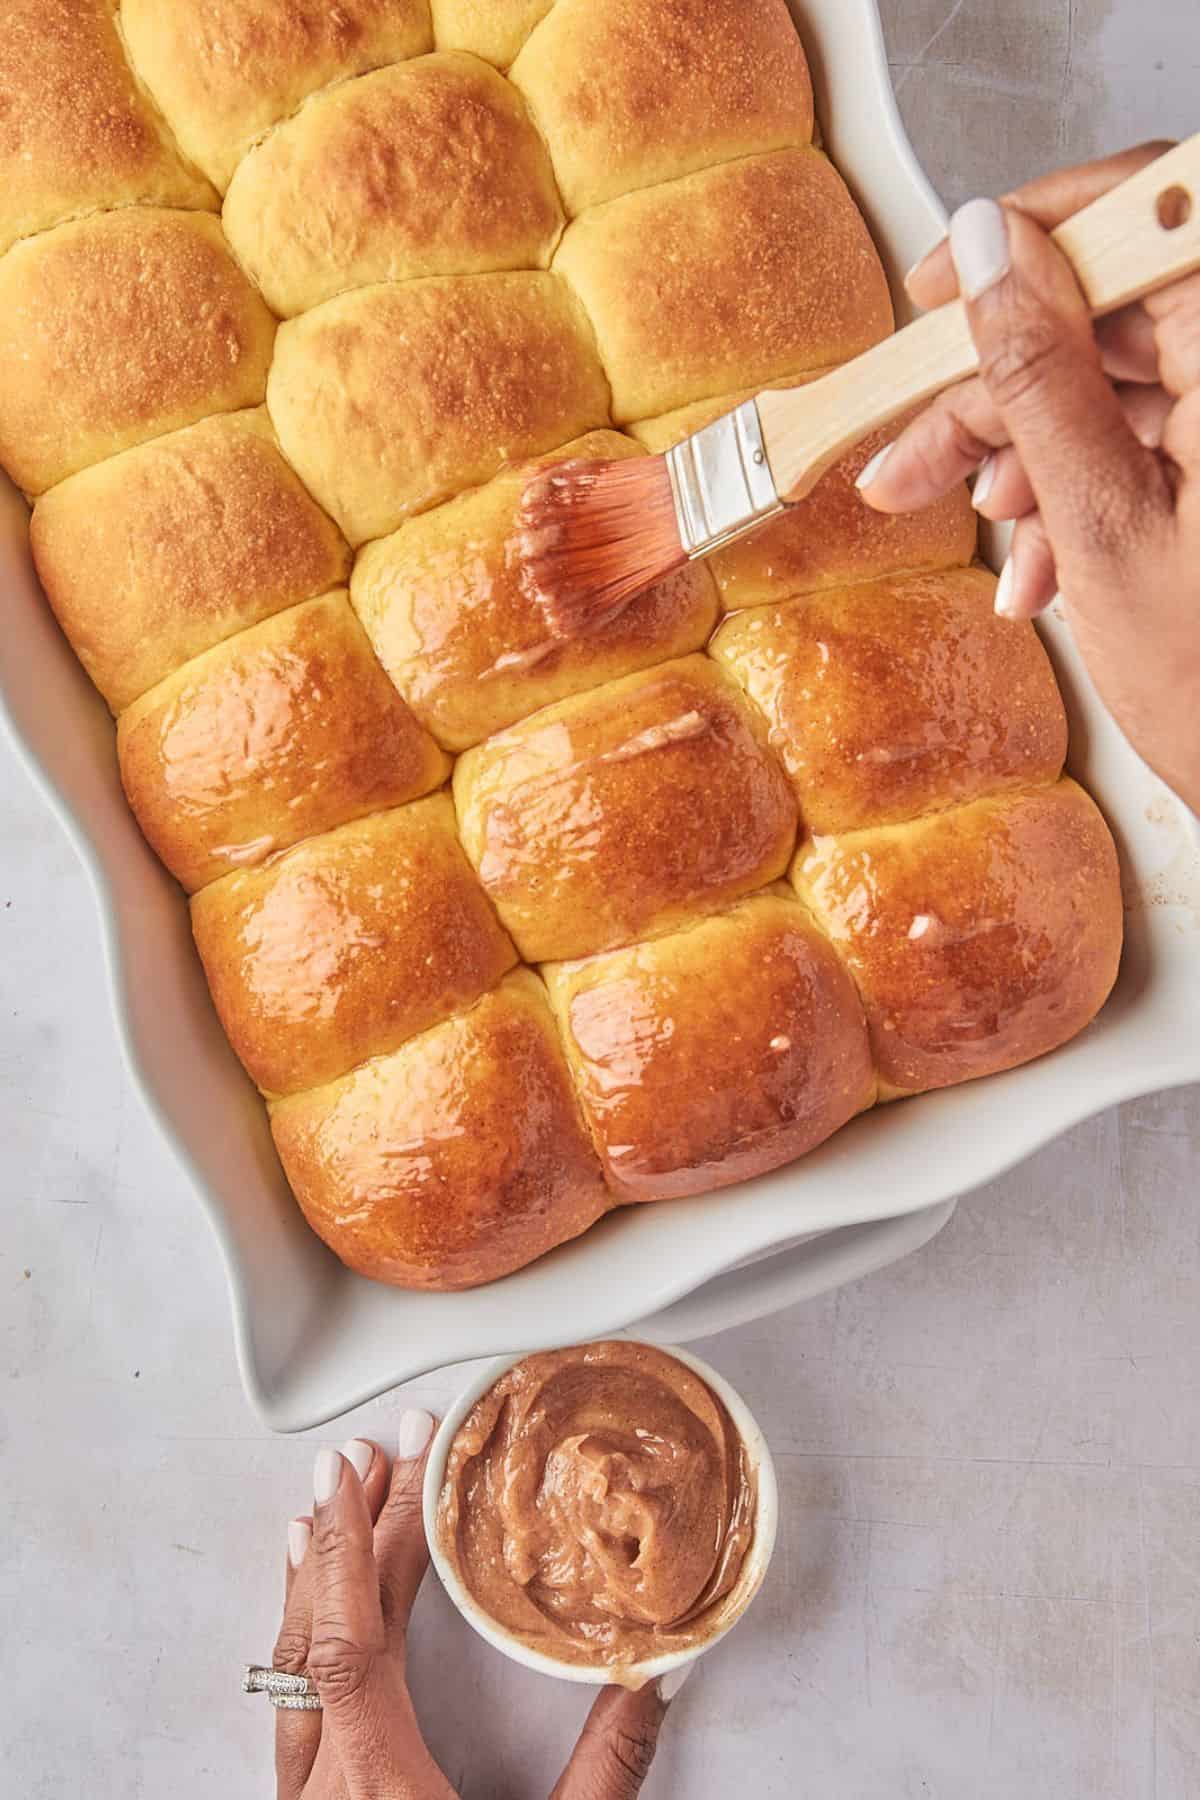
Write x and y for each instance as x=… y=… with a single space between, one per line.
x=595 y=535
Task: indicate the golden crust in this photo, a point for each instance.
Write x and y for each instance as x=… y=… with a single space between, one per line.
x=831 y=537
x=225 y=71
x=118 y=328
x=391 y=399
x=158 y=554
x=348 y=945
x=443 y=602
x=979 y=938
x=432 y=167
x=616 y=815
x=454 y=1161
x=75 y=131
x=637 y=92
x=727 y=279
x=899 y=697
x=493 y=29
x=287 y=730
x=717 y=1054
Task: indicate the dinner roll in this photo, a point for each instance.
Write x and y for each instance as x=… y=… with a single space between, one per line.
x=979 y=938
x=452 y=622
x=494 y=29
x=456 y=1159
x=617 y=814
x=76 y=132
x=899 y=697
x=637 y=92
x=225 y=71
x=161 y=552
x=726 y=279
x=282 y=732
x=432 y=167
x=348 y=945
x=393 y=398
x=715 y=1054
x=830 y=537
x=118 y=328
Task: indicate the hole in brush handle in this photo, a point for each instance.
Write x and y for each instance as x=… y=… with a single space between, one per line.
x=1173 y=207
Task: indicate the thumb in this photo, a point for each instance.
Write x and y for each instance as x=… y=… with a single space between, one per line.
x=1101 y=493
x=614 y=1753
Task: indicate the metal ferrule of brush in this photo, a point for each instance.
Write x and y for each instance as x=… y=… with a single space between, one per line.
x=722 y=481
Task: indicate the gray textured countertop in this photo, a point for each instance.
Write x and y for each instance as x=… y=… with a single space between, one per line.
x=988 y=1583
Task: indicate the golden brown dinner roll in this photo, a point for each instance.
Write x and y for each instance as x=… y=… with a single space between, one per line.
x=456 y=1159
x=224 y=71
x=493 y=29
x=118 y=328
x=76 y=133
x=284 y=731
x=161 y=552
x=829 y=538
x=443 y=602
x=348 y=945
x=729 y=278
x=715 y=1054
x=636 y=92
x=979 y=938
x=393 y=398
x=899 y=697
x=432 y=167
x=617 y=814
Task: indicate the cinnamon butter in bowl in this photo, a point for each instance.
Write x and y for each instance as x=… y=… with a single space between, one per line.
x=603 y=1513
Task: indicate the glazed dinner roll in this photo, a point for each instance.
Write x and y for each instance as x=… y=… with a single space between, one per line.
x=493 y=29
x=979 y=938
x=431 y=167
x=225 y=71
x=284 y=731
x=393 y=398
x=162 y=552
x=717 y=1053
x=348 y=945
x=457 y=1159
x=76 y=132
x=634 y=93
x=443 y=602
x=618 y=814
x=729 y=278
x=117 y=328
x=898 y=697
x=830 y=538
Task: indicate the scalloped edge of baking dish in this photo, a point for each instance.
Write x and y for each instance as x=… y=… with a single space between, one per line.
x=314 y=1340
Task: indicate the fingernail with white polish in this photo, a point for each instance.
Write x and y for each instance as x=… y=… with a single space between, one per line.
x=413 y=1433
x=985 y=481
x=358 y=1453
x=670 y=1683
x=872 y=469
x=1004 y=592
x=327 y=1472
x=922 y=260
x=299 y=1538
x=979 y=246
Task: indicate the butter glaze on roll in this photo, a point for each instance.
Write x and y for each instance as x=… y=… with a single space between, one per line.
x=715 y=1054
x=455 y=1160
x=774 y=865
x=444 y=604
x=382 y=422
x=429 y=168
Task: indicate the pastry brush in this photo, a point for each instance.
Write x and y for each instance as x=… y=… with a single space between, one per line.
x=593 y=536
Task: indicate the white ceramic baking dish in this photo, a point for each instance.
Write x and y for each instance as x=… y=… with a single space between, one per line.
x=314 y=1340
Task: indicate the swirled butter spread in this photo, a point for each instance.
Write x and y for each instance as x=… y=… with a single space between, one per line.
x=599 y=1505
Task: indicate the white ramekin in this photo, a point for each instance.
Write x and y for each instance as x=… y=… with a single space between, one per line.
x=753 y=1571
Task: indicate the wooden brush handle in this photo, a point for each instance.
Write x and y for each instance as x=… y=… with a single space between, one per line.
x=1138 y=237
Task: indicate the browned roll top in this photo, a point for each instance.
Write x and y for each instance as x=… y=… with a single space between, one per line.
x=599 y=1505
